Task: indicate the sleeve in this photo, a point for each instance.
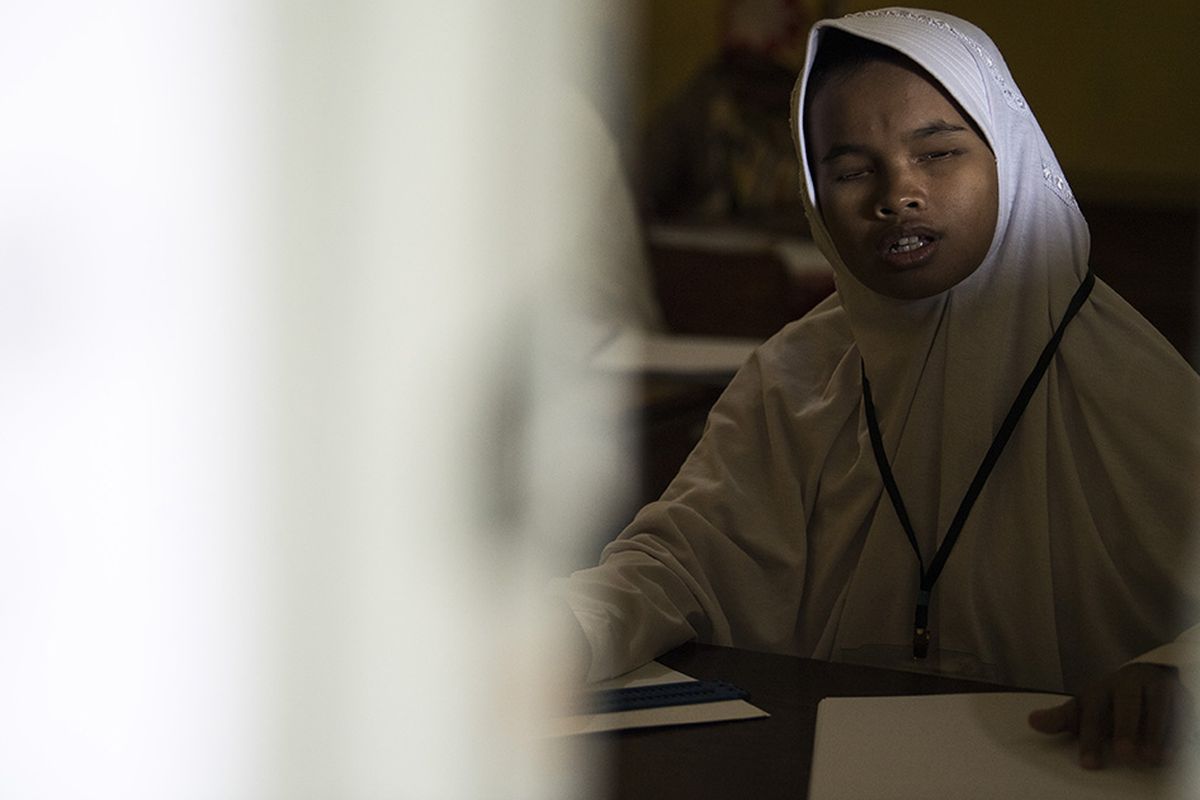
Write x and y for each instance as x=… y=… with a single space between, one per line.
x=720 y=558
x=1183 y=654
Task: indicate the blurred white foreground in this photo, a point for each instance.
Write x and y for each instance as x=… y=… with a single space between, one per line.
x=291 y=430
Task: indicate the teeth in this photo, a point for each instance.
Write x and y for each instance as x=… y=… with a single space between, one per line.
x=906 y=244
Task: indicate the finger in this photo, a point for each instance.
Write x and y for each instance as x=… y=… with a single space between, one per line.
x=1127 y=719
x=1059 y=719
x=1182 y=728
x=1165 y=711
x=1156 y=721
x=1095 y=725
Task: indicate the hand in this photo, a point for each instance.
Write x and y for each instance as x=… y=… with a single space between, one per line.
x=1142 y=708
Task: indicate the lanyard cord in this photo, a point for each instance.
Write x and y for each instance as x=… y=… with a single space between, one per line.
x=929 y=577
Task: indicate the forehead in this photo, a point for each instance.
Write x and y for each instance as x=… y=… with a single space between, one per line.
x=874 y=96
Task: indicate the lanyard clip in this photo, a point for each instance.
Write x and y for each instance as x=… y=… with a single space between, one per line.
x=921 y=632
x=921 y=642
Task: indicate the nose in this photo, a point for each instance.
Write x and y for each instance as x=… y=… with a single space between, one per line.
x=901 y=193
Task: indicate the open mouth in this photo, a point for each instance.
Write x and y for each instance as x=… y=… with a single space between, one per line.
x=905 y=249
x=907 y=244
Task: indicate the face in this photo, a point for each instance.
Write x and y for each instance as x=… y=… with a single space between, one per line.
x=906 y=187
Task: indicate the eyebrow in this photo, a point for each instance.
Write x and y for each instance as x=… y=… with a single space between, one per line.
x=925 y=131
x=839 y=150
x=934 y=128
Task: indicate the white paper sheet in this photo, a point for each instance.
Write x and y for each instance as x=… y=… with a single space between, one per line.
x=965 y=745
x=650 y=674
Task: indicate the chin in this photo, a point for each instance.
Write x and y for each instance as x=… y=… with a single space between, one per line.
x=907 y=290
x=916 y=293
x=910 y=286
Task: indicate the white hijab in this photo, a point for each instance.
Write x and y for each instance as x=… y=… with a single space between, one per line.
x=1095 y=509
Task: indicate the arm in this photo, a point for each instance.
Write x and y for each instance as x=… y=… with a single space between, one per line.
x=1153 y=456
x=719 y=558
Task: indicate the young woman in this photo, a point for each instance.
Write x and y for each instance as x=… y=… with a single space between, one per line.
x=974 y=458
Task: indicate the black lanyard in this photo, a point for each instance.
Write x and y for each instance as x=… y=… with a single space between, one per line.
x=921 y=634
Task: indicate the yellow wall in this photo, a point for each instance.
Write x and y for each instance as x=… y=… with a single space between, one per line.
x=679 y=36
x=1114 y=84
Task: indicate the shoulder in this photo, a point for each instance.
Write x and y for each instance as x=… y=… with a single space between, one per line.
x=1111 y=340
x=810 y=363
x=1134 y=401
x=778 y=417
x=807 y=353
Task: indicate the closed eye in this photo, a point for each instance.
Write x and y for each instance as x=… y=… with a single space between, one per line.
x=940 y=155
x=851 y=175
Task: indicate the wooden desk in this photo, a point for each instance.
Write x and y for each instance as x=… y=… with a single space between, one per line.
x=761 y=758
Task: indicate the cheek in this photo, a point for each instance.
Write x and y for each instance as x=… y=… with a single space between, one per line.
x=977 y=204
x=839 y=215
x=987 y=211
x=987 y=193
x=846 y=241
